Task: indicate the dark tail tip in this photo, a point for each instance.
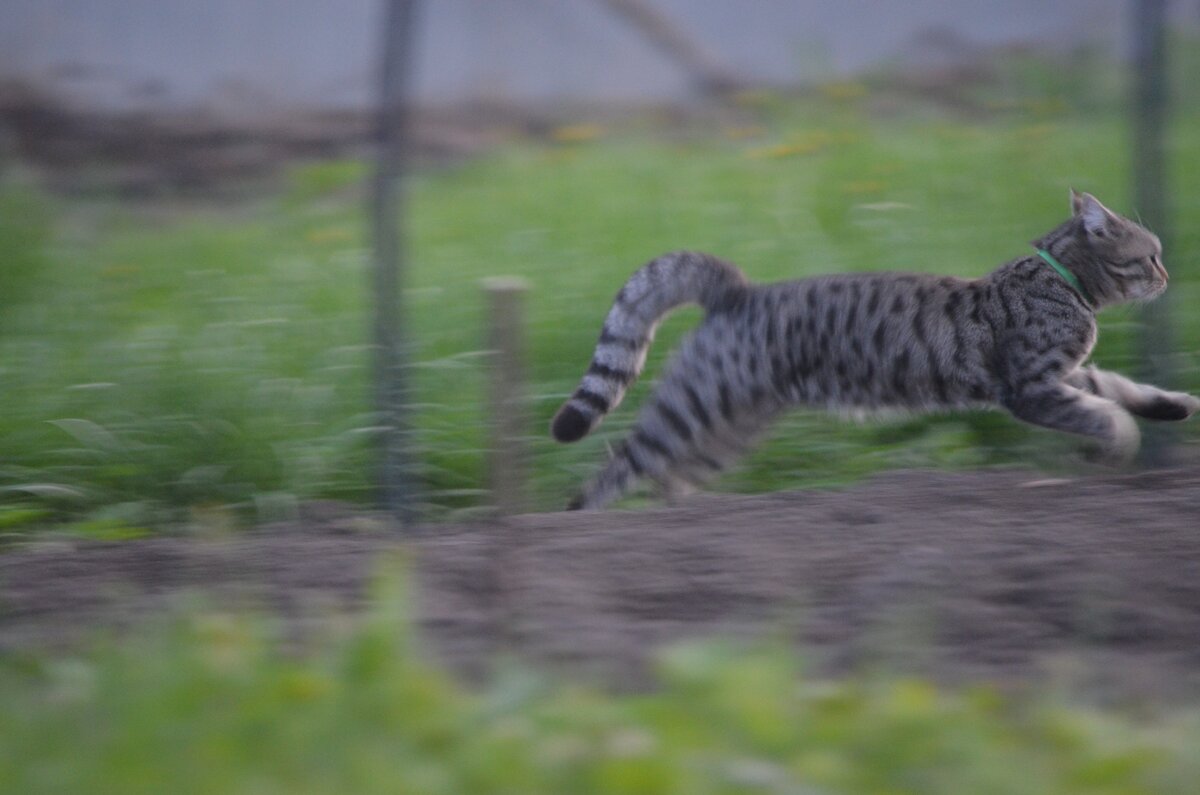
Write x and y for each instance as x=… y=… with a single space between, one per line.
x=570 y=424
x=576 y=503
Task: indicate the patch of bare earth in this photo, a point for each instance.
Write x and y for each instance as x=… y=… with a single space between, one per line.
x=1092 y=583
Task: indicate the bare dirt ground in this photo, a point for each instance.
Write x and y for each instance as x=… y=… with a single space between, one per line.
x=1092 y=583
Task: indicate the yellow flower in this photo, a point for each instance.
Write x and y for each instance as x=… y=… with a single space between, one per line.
x=1049 y=106
x=754 y=98
x=577 y=133
x=1035 y=132
x=807 y=144
x=744 y=131
x=861 y=186
x=302 y=686
x=844 y=90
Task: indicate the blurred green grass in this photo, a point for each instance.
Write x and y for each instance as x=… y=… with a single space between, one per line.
x=156 y=359
x=207 y=703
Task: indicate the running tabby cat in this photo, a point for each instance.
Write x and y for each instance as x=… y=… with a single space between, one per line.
x=1015 y=338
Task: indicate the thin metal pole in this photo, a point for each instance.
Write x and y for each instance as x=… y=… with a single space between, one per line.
x=1149 y=112
x=394 y=478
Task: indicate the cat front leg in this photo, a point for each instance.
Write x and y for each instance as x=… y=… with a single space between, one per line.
x=1068 y=408
x=1142 y=400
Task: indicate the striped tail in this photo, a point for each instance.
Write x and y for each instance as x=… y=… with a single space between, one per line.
x=671 y=281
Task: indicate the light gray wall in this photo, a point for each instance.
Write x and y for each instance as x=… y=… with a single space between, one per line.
x=260 y=56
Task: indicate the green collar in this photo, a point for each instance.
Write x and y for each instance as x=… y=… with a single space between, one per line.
x=1071 y=278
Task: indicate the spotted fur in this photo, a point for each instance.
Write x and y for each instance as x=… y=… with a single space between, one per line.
x=1015 y=338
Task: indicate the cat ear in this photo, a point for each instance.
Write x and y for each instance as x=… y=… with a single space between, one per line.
x=1076 y=202
x=1097 y=219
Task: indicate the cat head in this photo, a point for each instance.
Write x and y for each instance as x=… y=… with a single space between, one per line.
x=1121 y=260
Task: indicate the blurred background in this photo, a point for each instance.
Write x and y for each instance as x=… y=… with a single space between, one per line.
x=237 y=60
x=184 y=203
x=194 y=272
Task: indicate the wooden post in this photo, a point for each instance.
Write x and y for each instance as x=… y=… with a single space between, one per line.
x=394 y=477
x=1149 y=118
x=507 y=459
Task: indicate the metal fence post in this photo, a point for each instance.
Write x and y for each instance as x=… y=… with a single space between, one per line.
x=1149 y=112
x=395 y=477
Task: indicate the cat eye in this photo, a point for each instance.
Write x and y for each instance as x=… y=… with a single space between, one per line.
x=1141 y=265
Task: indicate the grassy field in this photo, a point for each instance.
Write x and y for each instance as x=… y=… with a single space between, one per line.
x=181 y=360
x=207 y=704
x=189 y=364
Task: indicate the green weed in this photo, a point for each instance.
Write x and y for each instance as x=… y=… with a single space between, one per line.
x=208 y=704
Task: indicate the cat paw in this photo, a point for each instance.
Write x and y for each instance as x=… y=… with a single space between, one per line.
x=1121 y=447
x=1191 y=403
x=1170 y=406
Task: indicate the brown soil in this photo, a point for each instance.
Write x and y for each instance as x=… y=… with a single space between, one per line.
x=1091 y=583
